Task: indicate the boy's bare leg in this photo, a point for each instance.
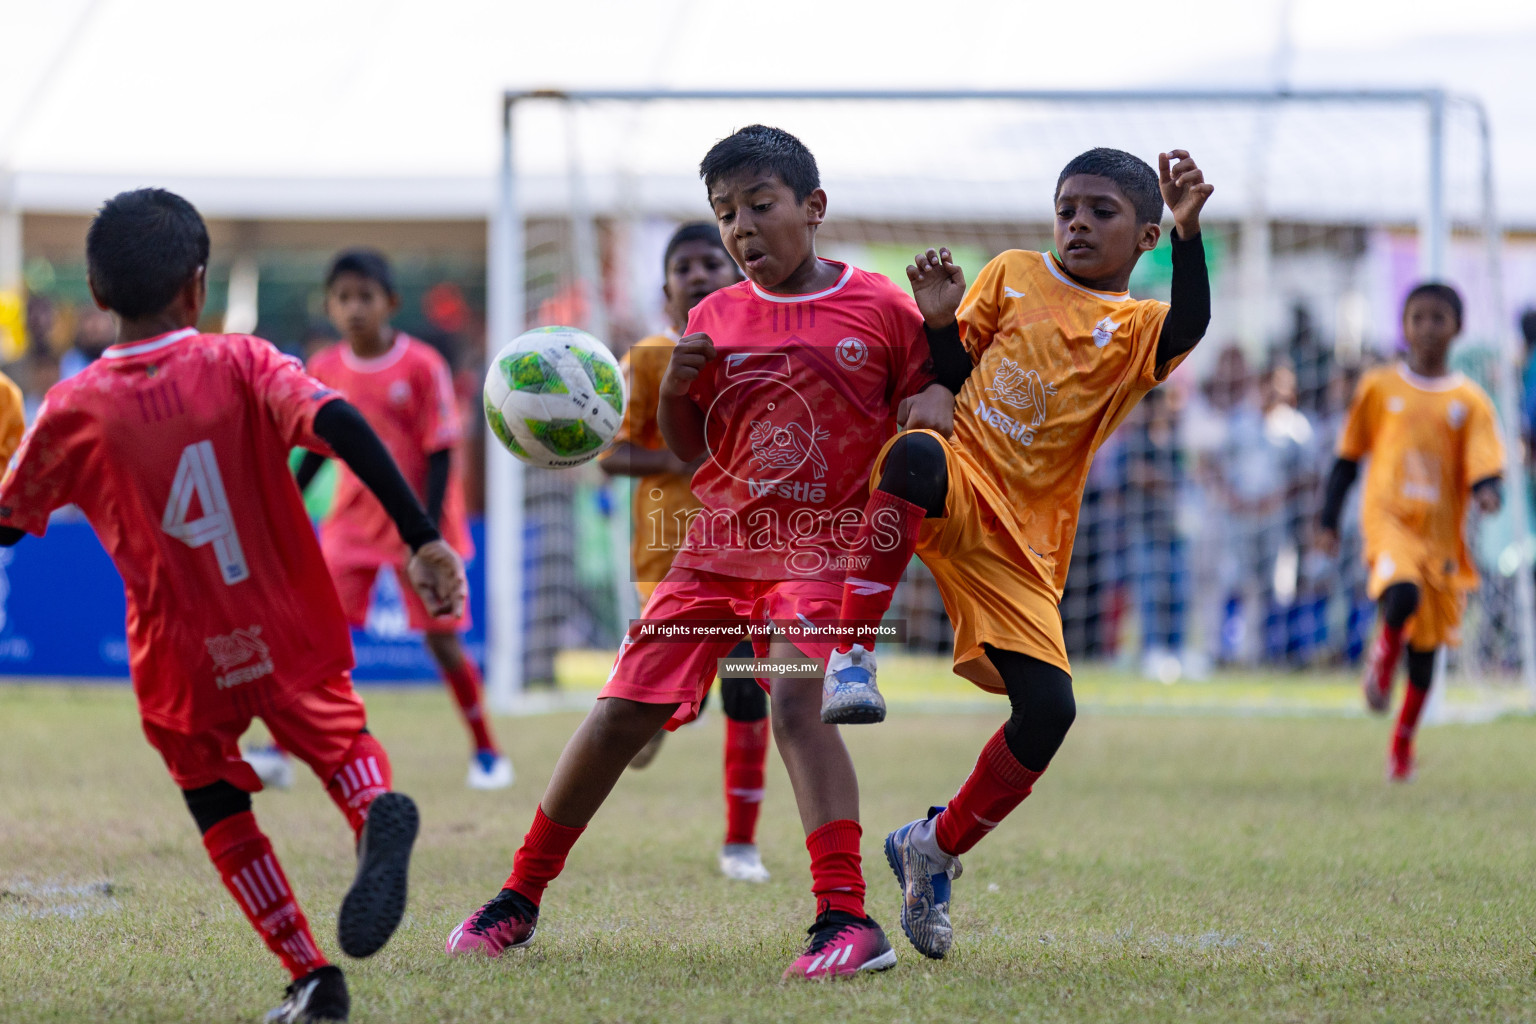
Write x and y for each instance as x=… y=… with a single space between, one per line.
x=612 y=733
x=820 y=770
x=488 y=768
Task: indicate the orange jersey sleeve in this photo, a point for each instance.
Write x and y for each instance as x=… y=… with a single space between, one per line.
x=1484 y=453
x=644 y=365
x=12 y=423
x=1360 y=424
x=979 y=310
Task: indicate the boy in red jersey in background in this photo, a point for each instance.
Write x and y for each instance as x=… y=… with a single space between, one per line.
x=403 y=389
x=1047 y=354
x=695 y=264
x=1433 y=444
x=175 y=446
x=789 y=382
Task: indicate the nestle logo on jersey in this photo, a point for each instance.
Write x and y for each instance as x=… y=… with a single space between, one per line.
x=231 y=652
x=1014 y=430
x=795 y=490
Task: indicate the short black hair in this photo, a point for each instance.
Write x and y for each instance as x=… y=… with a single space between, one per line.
x=1130 y=173
x=1436 y=290
x=142 y=248
x=369 y=264
x=757 y=148
x=694 y=231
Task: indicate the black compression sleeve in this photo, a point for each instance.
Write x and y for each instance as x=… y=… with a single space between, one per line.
x=438 y=464
x=10 y=536
x=308 y=467
x=1189 y=301
x=951 y=362
x=342 y=427
x=1340 y=479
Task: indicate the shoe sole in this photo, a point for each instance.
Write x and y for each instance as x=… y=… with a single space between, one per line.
x=375 y=903
x=893 y=858
x=854 y=714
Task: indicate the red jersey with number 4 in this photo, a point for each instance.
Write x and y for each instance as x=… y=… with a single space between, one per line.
x=798 y=402
x=406 y=395
x=176 y=449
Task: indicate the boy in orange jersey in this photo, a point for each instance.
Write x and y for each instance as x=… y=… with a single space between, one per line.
x=790 y=382
x=695 y=264
x=1433 y=445
x=1048 y=354
x=175 y=446
x=403 y=388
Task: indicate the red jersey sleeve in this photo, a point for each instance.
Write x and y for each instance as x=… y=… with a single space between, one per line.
x=49 y=464
x=289 y=394
x=437 y=413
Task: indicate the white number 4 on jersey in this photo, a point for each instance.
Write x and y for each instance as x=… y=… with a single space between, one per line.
x=197 y=475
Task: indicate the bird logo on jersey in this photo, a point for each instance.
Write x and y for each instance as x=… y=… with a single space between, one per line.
x=1103 y=331
x=233 y=650
x=1022 y=389
x=787 y=447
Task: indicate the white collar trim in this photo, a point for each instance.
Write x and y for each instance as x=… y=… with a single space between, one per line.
x=139 y=348
x=771 y=297
x=1056 y=272
x=359 y=364
x=1447 y=383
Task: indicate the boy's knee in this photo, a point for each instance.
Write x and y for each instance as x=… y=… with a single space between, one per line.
x=212 y=804
x=1398 y=603
x=915 y=471
x=796 y=707
x=1053 y=710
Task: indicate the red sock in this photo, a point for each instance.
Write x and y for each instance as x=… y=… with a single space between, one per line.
x=253 y=876
x=997 y=785
x=541 y=858
x=1408 y=717
x=1389 y=651
x=836 y=877
x=364 y=774
x=746 y=752
x=464 y=681
x=867 y=593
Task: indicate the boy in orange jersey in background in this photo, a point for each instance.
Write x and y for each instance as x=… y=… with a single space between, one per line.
x=175 y=446
x=1433 y=445
x=403 y=389
x=1048 y=354
x=789 y=382
x=695 y=264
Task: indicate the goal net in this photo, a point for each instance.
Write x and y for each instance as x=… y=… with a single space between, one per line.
x=1192 y=559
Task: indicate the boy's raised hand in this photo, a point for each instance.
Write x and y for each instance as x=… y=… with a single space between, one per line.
x=938 y=285
x=1184 y=190
x=689 y=355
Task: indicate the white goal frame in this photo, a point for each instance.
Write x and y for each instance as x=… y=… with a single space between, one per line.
x=507 y=306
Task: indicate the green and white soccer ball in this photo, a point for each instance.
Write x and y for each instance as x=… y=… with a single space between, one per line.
x=554 y=397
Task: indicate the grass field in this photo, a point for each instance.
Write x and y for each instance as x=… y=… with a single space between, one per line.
x=1171 y=867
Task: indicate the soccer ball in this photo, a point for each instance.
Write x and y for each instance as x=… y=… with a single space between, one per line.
x=554 y=397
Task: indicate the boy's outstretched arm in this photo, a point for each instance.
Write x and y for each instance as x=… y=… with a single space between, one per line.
x=435 y=569
x=1340 y=479
x=1189 y=313
x=309 y=465
x=678 y=415
x=938 y=286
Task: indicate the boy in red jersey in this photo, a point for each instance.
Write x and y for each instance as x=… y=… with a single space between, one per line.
x=789 y=382
x=403 y=389
x=1047 y=354
x=175 y=446
x=695 y=264
x=1433 y=444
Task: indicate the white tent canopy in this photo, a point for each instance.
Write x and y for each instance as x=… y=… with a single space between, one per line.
x=349 y=109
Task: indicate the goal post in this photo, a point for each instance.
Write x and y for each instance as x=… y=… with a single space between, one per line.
x=1306 y=180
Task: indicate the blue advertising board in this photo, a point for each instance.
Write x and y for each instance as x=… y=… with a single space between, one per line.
x=62 y=613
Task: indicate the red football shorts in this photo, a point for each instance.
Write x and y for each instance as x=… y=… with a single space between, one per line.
x=653 y=670
x=318 y=727
x=354 y=585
